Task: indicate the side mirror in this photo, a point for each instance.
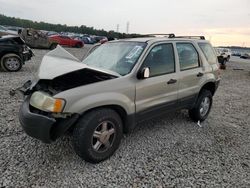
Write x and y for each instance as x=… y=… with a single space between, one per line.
x=143 y=73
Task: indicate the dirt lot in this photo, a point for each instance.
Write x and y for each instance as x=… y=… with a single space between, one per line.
x=169 y=151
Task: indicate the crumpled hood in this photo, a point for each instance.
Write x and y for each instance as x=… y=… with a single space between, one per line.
x=59 y=62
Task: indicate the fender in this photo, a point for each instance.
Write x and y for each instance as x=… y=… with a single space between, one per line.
x=102 y=99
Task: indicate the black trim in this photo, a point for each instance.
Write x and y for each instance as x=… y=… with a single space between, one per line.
x=62 y=125
x=156 y=111
x=130 y=123
x=187 y=102
x=217 y=83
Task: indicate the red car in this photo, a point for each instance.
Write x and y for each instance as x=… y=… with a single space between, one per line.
x=67 y=41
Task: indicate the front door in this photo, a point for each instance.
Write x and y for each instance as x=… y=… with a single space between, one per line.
x=157 y=93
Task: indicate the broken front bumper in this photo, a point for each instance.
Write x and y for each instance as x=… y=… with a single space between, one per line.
x=27 y=54
x=41 y=127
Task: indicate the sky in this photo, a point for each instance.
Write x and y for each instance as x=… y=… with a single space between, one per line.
x=223 y=22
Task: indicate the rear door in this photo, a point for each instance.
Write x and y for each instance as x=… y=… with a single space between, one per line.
x=190 y=74
x=157 y=93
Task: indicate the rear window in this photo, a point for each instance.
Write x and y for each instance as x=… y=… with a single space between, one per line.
x=209 y=53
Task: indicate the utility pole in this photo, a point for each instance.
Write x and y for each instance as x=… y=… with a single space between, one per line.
x=117 y=28
x=127 y=27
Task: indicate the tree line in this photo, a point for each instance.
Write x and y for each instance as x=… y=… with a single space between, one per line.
x=18 y=22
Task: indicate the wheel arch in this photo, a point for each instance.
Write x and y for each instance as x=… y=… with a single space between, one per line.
x=10 y=52
x=210 y=86
x=127 y=120
x=53 y=44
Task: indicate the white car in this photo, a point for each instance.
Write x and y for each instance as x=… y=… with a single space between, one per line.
x=5 y=31
x=224 y=52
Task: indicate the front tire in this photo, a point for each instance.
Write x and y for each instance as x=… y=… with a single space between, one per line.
x=97 y=135
x=11 y=63
x=202 y=107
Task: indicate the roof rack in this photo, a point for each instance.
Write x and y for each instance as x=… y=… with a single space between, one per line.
x=172 y=35
x=169 y=35
x=191 y=37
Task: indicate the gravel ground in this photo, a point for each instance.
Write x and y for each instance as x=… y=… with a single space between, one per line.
x=170 y=151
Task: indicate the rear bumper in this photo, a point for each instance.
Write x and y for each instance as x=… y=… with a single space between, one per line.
x=41 y=127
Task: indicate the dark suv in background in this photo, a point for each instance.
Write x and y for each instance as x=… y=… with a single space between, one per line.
x=13 y=53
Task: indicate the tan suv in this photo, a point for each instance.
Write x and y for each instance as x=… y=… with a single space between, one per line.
x=37 y=39
x=117 y=85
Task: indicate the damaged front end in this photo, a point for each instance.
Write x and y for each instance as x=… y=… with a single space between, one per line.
x=62 y=83
x=41 y=115
x=43 y=125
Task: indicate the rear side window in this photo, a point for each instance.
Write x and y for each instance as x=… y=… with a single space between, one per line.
x=208 y=51
x=188 y=56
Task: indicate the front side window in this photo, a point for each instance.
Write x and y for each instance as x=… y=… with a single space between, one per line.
x=119 y=57
x=208 y=51
x=188 y=56
x=160 y=60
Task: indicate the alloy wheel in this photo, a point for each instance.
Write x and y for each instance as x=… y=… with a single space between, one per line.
x=103 y=136
x=205 y=105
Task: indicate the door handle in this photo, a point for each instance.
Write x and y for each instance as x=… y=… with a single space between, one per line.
x=171 y=81
x=200 y=74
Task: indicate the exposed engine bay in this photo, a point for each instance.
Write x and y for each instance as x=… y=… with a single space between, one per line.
x=66 y=81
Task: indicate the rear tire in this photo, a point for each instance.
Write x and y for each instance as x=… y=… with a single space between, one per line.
x=202 y=107
x=53 y=46
x=78 y=45
x=11 y=63
x=97 y=135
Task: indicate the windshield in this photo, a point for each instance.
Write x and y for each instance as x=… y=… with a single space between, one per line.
x=119 y=57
